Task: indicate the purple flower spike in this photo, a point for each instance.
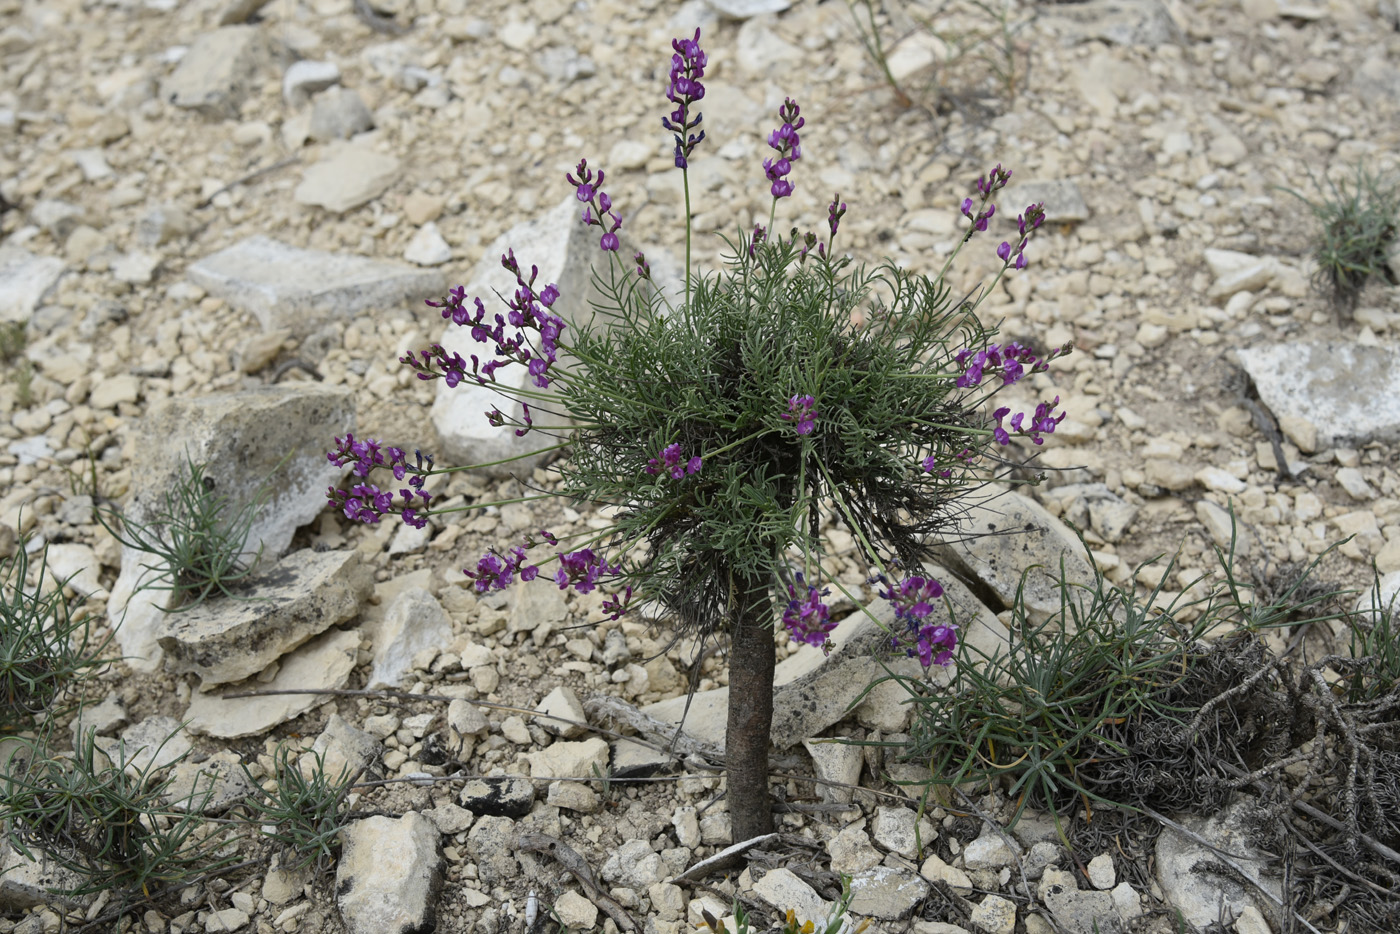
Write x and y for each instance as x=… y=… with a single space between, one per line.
x=673 y=463
x=598 y=206
x=834 y=212
x=914 y=600
x=789 y=146
x=800 y=410
x=687 y=68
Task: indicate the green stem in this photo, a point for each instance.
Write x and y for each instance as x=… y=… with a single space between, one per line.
x=685 y=183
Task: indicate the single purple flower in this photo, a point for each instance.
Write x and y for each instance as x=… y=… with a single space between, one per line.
x=800 y=410
x=834 y=212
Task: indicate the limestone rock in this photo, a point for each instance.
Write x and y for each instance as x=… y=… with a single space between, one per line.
x=77 y=564
x=338 y=114
x=1123 y=22
x=882 y=892
x=348 y=178
x=491 y=842
x=24 y=280
x=100 y=718
x=575 y=796
x=564 y=250
x=586 y=759
x=743 y=9
x=1199 y=896
x=389 y=875
x=782 y=889
x=211 y=786
x=148 y=746
x=995 y=915
x=563 y=702
x=1001 y=539
x=414 y=621
x=288 y=287
x=895 y=829
x=1350 y=392
x=634 y=865
x=301 y=596
x=1064 y=203
x=851 y=851
x=218 y=72
x=427 y=247
x=341 y=750
x=305 y=78
x=835 y=761
x=324 y=663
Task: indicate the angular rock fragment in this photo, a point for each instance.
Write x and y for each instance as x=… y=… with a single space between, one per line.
x=218 y=72
x=301 y=596
x=24 y=280
x=324 y=663
x=1349 y=391
x=389 y=875
x=289 y=287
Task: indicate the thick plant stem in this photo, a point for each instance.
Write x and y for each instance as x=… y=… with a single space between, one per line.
x=751 y=661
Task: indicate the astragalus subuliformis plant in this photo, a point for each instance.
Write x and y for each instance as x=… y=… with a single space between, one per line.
x=724 y=425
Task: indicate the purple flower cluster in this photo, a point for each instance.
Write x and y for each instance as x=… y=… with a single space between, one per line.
x=913 y=599
x=581 y=570
x=366 y=502
x=528 y=311
x=1014 y=361
x=801 y=410
x=673 y=462
x=1042 y=422
x=590 y=191
x=760 y=233
x=643 y=267
x=806 y=617
x=789 y=146
x=495 y=571
x=834 y=212
x=687 y=68
x=999 y=178
x=983 y=215
x=1027 y=222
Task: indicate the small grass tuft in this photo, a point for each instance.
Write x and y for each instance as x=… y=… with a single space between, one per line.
x=46 y=642
x=108 y=823
x=305 y=813
x=196 y=535
x=1359 y=228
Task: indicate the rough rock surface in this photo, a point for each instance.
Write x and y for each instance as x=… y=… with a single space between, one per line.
x=301 y=596
x=389 y=875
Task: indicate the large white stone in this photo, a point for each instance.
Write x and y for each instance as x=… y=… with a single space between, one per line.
x=564 y=250
x=218 y=71
x=389 y=875
x=1350 y=392
x=24 y=280
x=296 y=289
x=224 y=640
x=324 y=663
x=349 y=177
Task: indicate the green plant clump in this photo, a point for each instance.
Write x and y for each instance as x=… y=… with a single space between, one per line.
x=45 y=643
x=108 y=823
x=306 y=812
x=197 y=537
x=1359 y=224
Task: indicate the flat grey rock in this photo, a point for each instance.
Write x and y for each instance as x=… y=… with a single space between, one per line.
x=346 y=179
x=389 y=875
x=743 y=9
x=289 y=287
x=25 y=279
x=1121 y=22
x=886 y=893
x=1200 y=894
x=227 y=639
x=324 y=663
x=1064 y=202
x=305 y=78
x=1350 y=392
x=1000 y=541
x=339 y=113
x=211 y=786
x=276 y=435
x=218 y=72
